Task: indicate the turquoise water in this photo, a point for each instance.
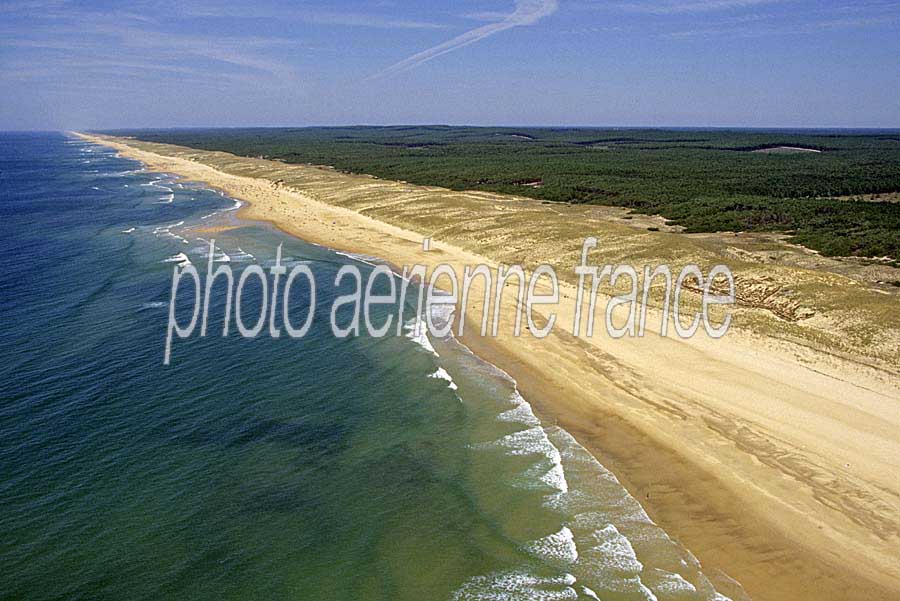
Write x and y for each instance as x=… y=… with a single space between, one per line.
x=316 y=468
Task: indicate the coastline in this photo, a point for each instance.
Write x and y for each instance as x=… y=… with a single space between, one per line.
x=711 y=475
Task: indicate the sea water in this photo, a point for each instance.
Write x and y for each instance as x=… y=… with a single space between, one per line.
x=317 y=468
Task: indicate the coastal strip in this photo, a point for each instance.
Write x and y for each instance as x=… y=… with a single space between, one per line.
x=773 y=461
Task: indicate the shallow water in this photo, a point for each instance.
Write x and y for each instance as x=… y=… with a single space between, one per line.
x=316 y=468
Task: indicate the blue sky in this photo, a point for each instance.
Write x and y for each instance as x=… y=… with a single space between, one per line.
x=177 y=63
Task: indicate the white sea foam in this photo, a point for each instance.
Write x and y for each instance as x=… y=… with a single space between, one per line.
x=166 y=231
x=219 y=255
x=557 y=547
x=533 y=441
x=521 y=413
x=121 y=173
x=181 y=259
x=517 y=585
x=417 y=331
x=165 y=228
x=128 y=231
x=612 y=551
x=287 y=261
x=674 y=584
x=240 y=256
x=442 y=374
x=367 y=259
x=154 y=305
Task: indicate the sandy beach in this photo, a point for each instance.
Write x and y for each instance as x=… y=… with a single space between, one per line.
x=772 y=454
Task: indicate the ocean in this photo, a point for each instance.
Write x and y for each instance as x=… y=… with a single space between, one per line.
x=316 y=468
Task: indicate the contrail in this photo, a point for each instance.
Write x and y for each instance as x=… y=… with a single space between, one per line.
x=526 y=13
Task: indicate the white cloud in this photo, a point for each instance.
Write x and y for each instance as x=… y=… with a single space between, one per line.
x=527 y=12
x=691 y=6
x=304 y=14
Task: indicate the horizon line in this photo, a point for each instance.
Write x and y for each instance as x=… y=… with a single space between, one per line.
x=479 y=126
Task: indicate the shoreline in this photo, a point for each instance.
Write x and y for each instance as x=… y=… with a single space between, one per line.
x=627 y=420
